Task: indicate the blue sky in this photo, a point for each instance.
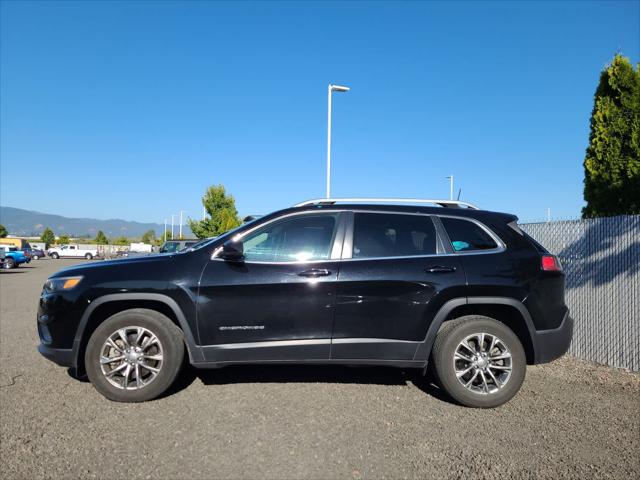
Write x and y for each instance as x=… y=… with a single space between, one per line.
x=131 y=109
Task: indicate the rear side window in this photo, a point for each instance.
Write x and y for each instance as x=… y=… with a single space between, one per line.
x=467 y=236
x=392 y=235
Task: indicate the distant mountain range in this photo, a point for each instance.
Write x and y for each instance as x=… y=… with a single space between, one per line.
x=29 y=223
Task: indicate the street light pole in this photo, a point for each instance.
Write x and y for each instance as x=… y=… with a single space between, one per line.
x=181 y=223
x=331 y=89
x=450 y=186
x=172 y=215
x=165 y=229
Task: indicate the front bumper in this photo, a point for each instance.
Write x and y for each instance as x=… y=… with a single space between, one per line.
x=552 y=344
x=62 y=357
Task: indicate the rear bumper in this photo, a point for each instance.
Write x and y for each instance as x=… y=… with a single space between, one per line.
x=62 y=357
x=552 y=344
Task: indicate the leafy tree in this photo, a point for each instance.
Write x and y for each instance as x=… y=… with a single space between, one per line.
x=612 y=162
x=63 y=239
x=222 y=214
x=3 y=231
x=149 y=236
x=101 y=238
x=122 y=240
x=48 y=237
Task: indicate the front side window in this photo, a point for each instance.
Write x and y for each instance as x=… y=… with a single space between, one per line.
x=297 y=239
x=467 y=236
x=392 y=235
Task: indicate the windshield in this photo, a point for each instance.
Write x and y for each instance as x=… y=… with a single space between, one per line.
x=207 y=241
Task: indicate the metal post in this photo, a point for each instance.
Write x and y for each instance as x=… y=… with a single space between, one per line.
x=450 y=186
x=329 y=142
x=172 y=215
x=181 y=223
x=165 y=230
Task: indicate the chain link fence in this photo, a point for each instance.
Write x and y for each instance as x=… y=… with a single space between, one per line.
x=601 y=258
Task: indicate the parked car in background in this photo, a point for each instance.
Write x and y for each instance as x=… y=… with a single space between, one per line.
x=37 y=253
x=172 y=246
x=13 y=257
x=73 y=251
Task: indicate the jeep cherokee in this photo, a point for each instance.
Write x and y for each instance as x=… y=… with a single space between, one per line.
x=460 y=290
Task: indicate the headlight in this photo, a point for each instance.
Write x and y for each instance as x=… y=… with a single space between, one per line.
x=62 y=283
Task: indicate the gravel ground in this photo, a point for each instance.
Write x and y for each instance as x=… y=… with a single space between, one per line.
x=571 y=419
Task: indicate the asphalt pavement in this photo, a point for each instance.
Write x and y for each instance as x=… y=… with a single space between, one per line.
x=571 y=419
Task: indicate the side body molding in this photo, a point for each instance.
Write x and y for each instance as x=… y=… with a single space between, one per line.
x=195 y=353
x=424 y=349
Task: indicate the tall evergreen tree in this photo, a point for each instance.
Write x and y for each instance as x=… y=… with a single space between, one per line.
x=612 y=162
x=101 y=238
x=48 y=237
x=3 y=231
x=222 y=214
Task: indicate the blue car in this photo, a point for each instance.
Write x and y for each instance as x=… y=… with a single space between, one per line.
x=12 y=257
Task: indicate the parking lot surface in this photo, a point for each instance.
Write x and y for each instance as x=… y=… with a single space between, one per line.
x=571 y=419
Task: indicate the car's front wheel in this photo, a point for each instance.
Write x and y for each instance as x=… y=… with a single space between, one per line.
x=55 y=256
x=134 y=355
x=479 y=361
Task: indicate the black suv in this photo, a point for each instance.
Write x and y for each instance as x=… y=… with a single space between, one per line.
x=358 y=282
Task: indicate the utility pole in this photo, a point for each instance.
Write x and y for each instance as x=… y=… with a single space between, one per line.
x=450 y=186
x=181 y=223
x=165 y=230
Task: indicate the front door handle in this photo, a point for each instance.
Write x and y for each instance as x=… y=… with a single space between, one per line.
x=315 y=273
x=440 y=269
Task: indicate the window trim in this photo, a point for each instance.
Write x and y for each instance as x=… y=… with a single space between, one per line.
x=501 y=246
x=347 y=250
x=336 y=247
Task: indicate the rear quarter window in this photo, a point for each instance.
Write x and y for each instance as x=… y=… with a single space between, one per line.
x=467 y=236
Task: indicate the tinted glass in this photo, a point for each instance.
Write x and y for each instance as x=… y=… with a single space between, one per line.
x=297 y=239
x=392 y=235
x=467 y=236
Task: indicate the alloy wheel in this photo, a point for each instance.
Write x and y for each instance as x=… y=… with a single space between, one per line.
x=131 y=358
x=483 y=363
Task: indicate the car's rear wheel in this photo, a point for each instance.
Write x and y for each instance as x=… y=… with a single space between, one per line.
x=55 y=256
x=88 y=256
x=479 y=361
x=35 y=257
x=134 y=356
x=9 y=263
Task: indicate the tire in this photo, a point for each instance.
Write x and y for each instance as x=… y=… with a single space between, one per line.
x=508 y=372
x=88 y=256
x=35 y=257
x=9 y=263
x=55 y=256
x=170 y=347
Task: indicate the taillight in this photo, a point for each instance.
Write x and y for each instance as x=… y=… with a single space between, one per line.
x=550 y=263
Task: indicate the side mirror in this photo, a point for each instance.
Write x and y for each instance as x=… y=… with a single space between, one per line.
x=232 y=251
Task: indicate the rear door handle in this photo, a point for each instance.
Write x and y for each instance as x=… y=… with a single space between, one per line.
x=440 y=269
x=315 y=272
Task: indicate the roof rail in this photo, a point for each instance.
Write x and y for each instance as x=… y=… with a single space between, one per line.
x=441 y=203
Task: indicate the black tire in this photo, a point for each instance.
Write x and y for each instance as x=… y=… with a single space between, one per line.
x=55 y=256
x=9 y=263
x=170 y=337
x=88 y=256
x=449 y=338
x=35 y=257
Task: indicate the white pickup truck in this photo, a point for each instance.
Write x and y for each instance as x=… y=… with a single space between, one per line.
x=72 y=251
